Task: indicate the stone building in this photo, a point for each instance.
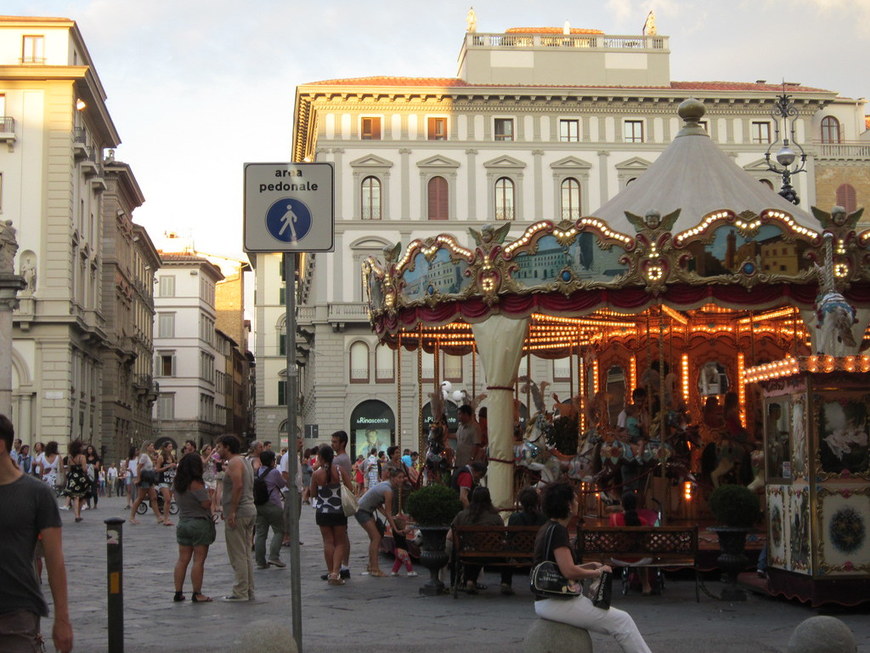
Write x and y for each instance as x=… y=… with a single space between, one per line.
x=55 y=129
x=539 y=123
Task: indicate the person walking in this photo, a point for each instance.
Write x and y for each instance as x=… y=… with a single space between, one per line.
x=145 y=479
x=195 y=531
x=270 y=513
x=78 y=485
x=28 y=512
x=132 y=464
x=560 y=505
x=239 y=513
x=165 y=471
x=50 y=466
x=327 y=484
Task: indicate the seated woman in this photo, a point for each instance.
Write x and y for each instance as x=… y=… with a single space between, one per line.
x=480 y=512
x=560 y=505
x=631 y=516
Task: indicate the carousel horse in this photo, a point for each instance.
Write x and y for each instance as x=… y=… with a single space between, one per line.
x=722 y=458
x=439 y=456
x=835 y=319
x=757 y=461
x=537 y=456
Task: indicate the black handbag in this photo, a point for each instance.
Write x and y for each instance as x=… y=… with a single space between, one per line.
x=601 y=591
x=547 y=582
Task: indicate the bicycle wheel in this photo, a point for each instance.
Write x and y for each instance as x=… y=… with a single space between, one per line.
x=142 y=509
x=173 y=507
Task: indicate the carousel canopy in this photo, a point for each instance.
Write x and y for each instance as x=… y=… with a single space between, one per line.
x=695 y=177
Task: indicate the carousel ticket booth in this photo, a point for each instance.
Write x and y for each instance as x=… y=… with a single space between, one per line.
x=696 y=283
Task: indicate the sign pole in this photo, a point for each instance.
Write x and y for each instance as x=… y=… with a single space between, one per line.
x=290 y=396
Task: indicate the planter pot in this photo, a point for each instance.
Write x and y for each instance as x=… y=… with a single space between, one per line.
x=732 y=559
x=433 y=557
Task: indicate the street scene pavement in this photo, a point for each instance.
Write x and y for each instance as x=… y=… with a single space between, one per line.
x=376 y=614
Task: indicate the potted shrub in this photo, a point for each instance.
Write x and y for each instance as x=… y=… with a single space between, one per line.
x=736 y=510
x=433 y=508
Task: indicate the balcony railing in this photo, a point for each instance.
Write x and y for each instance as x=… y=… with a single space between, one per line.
x=7 y=125
x=568 y=41
x=356 y=312
x=844 y=150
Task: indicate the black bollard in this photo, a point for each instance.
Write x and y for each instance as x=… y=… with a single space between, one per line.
x=115 y=584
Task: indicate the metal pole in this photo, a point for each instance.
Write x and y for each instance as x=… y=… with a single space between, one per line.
x=292 y=451
x=115 y=583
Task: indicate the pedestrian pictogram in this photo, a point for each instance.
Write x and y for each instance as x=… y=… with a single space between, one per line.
x=288 y=220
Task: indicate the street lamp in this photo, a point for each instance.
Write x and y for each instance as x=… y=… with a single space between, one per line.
x=784 y=116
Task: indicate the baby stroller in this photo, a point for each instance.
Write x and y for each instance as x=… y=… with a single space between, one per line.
x=632 y=569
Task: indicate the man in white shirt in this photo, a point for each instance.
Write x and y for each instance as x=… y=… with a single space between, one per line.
x=112 y=480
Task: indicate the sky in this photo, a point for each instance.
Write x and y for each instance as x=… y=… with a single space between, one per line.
x=197 y=88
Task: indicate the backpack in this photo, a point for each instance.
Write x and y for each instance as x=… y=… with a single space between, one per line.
x=454 y=479
x=261 y=490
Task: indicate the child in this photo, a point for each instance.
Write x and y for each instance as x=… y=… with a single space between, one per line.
x=400 y=550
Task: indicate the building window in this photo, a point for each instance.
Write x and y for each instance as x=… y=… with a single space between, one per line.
x=427 y=366
x=504 y=129
x=166 y=325
x=830 y=130
x=452 y=368
x=437 y=191
x=570 y=199
x=504 y=199
x=370 y=129
x=282 y=295
x=384 y=366
x=437 y=129
x=359 y=363
x=632 y=131
x=32 y=49
x=167 y=286
x=282 y=344
x=562 y=369
x=166 y=364
x=760 y=133
x=282 y=393
x=846 y=197
x=166 y=406
x=371 y=198
x=569 y=130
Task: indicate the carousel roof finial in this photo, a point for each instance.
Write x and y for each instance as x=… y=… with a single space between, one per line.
x=691 y=111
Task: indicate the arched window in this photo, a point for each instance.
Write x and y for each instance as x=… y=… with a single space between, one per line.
x=570 y=199
x=830 y=130
x=370 y=200
x=384 y=367
x=630 y=180
x=767 y=183
x=359 y=363
x=437 y=198
x=504 y=199
x=846 y=197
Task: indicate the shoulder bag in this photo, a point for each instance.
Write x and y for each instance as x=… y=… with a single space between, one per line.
x=600 y=590
x=547 y=581
x=349 y=504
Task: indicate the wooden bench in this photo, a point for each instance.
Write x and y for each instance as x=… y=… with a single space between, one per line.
x=492 y=546
x=654 y=546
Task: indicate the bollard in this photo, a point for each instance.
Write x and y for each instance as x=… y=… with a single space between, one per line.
x=115 y=584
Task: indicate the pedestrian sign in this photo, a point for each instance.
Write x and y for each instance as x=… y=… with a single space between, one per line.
x=289 y=207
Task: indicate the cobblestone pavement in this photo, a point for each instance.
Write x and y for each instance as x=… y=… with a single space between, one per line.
x=374 y=614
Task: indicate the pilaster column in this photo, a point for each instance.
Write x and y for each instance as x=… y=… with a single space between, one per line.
x=10 y=285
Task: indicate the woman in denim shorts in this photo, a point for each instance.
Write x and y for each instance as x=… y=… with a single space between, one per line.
x=195 y=531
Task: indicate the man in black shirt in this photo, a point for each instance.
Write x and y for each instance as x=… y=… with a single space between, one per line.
x=28 y=510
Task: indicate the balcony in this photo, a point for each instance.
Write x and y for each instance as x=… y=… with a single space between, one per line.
x=80 y=144
x=7 y=131
x=843 y=151
x=566 y=41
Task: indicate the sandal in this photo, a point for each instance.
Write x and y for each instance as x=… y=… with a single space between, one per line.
x=335 y=580
x=179 y=596
x=202 y=598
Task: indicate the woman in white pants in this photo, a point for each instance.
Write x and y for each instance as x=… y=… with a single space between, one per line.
x=560 y=504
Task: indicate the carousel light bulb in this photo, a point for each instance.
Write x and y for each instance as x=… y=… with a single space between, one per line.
x=687 y=490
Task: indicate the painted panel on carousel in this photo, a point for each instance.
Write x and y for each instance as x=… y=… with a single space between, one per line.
x=734 y=251
x=441 y=276
x=799 y=529
x=777 y=551
x=845 y=543
x=799 y=436
x=843 y=435
x=776 y=427
x=581 y=260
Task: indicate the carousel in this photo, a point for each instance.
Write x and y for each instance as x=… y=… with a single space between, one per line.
x=715 y=331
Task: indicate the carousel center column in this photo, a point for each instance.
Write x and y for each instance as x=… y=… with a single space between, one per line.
x=10 y=284
x=500 y=344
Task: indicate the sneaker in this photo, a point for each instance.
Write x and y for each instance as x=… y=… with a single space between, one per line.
x=259 y=566
x=324 y=576
x=232 y=598
x=412 y=574
x=344 y=574
x=394 y=573
x=277 y=563
x=63 y=508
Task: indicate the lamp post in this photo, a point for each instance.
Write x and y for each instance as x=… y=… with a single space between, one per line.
x=784 y=116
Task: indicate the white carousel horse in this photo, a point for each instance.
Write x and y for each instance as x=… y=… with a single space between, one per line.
x=835 y=319
x=537 y=456
x=757 y=461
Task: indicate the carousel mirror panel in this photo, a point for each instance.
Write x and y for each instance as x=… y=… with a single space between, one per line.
x=712 y=379
x=777 y=420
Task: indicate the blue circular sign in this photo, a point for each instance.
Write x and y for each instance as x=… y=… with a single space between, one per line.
x=288 y=220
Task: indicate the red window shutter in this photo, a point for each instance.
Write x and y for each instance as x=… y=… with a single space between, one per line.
x=437 y=198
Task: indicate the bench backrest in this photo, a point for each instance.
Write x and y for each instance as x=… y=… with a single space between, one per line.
x=662 y=541
x=502 y=540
